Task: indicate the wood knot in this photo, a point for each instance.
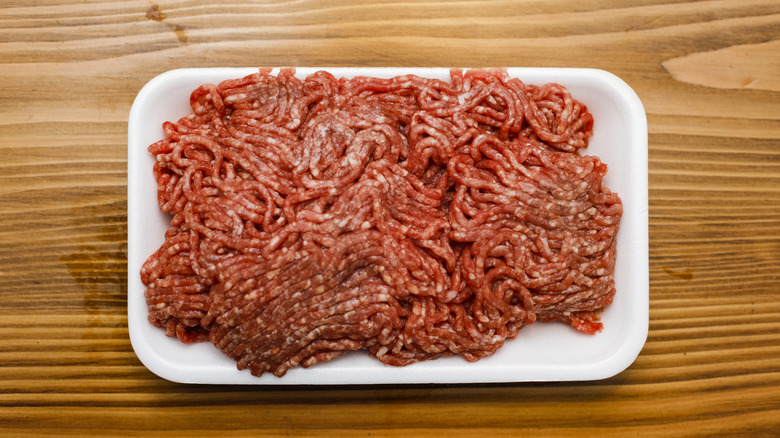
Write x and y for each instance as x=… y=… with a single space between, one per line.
x=685 y=274
x=154 y=13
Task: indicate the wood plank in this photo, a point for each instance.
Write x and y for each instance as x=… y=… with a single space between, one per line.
x=706 y=72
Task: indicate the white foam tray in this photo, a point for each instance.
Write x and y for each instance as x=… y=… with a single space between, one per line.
x=541 y=352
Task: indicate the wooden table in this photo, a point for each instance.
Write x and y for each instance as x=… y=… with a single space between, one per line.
x=708 y=73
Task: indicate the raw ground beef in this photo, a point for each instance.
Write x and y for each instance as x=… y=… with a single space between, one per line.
x=409 y=217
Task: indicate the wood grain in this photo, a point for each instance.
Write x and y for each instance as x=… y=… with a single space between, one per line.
x=731 y=67
x=706 y=71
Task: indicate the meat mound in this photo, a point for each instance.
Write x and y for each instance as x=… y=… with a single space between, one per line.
x=409 y=217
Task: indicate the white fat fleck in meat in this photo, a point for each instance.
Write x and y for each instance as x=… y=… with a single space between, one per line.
x=235 y=97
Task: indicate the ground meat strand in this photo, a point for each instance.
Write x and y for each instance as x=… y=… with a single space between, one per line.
x=409 y=217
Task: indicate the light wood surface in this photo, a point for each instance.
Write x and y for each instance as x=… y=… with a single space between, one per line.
x=708 y=73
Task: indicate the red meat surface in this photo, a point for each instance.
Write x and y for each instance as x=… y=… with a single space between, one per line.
x=409 y=217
